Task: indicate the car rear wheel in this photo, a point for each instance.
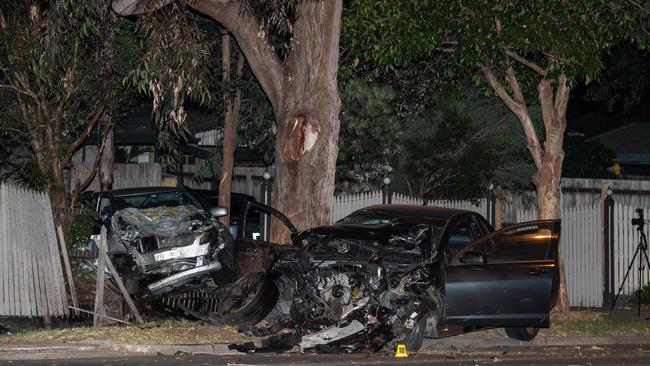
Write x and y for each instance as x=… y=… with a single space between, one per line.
x=522 y=333
x=412 y=339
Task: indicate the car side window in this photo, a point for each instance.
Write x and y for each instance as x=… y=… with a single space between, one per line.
x=256 y=220
x=105 y=209
x=526 y=243
x=461 y=236
x=484 y=227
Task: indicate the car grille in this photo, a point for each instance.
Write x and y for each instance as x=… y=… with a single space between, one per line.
x=151 y=243
x=175 y=266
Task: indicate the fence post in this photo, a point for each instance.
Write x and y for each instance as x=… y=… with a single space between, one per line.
x=490 y=207
x=386 y=193
x=267 y=188
x=608 y=243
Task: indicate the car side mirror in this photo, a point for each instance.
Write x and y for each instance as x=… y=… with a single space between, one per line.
x=218 y=211
x=471 y=257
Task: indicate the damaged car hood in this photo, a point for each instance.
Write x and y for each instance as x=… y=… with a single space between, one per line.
x=162 y=221
x=401 y=242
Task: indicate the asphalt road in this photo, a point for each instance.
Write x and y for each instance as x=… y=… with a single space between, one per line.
x=584 y=355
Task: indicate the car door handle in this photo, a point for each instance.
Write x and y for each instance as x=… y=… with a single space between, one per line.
x=536 y=271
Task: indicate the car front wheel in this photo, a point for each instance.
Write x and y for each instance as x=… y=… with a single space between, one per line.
x=522 y=333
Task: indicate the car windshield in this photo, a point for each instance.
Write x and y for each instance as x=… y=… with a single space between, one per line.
x=367 y=217
x=157 y=199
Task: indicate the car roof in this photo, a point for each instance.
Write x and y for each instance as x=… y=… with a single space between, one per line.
x=141 y=190
x=214 y=194
x=424 y=212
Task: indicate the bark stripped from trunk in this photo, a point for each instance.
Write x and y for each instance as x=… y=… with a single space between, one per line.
x=230 y=125
x=304 y=94
x=549 y=158
x=106 y=164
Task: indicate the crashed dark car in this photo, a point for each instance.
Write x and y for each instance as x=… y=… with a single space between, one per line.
x=163 y=239
x=393 y=274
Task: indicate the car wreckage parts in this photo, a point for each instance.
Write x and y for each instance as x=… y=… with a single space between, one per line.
x=181 y=243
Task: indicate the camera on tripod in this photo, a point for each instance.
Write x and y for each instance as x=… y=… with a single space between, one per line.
x=638 y=221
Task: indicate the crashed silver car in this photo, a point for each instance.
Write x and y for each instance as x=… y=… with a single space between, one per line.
x=164 y=239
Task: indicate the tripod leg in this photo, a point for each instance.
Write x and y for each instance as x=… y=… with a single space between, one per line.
x=627 y=273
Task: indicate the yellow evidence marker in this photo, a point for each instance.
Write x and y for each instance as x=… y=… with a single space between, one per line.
x=401 y=351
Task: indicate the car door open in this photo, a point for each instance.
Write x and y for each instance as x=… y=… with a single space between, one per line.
x=252 y=243
x=508 y=278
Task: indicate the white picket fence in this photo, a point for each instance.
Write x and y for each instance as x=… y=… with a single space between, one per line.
x=581 y=246
x=626 y=240
x=348 y=203
x=31 y=277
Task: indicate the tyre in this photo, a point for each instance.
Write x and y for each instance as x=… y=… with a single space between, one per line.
x=522 y=333
x=248 y=300
x=412 y=339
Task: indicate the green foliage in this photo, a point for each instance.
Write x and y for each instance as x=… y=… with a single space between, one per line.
x=60 y=63
x=645 y=295
x=460 y=36
x=32 y=177
x=369 y=135
x=80 y=230
x=177 y=65
x=586 y=159
x=446 y=155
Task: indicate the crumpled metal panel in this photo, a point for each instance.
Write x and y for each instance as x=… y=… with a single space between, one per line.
x=161 y=221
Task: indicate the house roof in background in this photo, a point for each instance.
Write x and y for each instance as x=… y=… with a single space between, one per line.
x=629 y=139
x=138 y=129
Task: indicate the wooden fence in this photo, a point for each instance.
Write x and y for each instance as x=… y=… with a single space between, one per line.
x=31 y=277
x=347 y=203
x=626 y=240
x=581 y=246
x=124 y=175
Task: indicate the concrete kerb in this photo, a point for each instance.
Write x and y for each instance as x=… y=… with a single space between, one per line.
x=479 y=343
x=164 y=349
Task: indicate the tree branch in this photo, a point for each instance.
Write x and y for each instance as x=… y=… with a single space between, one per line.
x=561 y=96
x=522 y=114
x=533 y=66
x=98 y=158
x=500 y=90
x=240 y=20
x=88 y=128
x=135 y=7
x=545 y=92
x=514 y=84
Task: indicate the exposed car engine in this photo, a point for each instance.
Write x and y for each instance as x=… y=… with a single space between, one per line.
x=344 y=294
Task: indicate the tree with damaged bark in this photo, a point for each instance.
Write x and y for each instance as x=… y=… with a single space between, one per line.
x=297 y=72
x=57 y=64
x=537 y=48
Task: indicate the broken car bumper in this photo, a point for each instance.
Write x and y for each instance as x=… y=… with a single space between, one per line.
x=169 y=283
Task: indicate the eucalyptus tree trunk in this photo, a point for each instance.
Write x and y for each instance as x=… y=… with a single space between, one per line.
x=230 y=125
x=302 y=90
x=548 y=158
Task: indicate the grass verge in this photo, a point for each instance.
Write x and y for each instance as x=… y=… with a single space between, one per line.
x=162 y=332
x=575 y=323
